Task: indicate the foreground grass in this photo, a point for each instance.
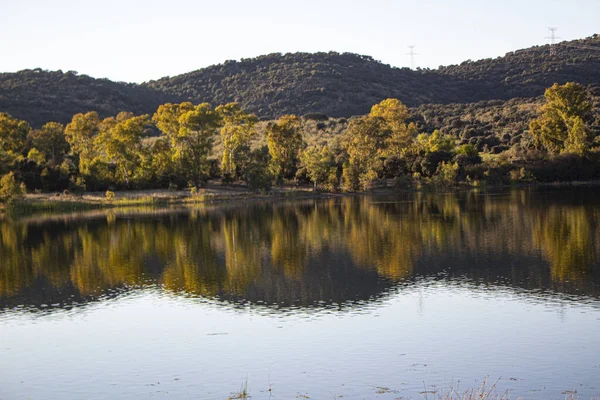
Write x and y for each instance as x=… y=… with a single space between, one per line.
x=485 y=391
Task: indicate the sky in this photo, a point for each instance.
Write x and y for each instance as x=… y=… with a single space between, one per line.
x=137 y=41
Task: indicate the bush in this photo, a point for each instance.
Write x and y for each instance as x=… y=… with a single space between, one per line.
x=10 y=189
x=315 y=116
x=446 y=174
x=110 y=196
x=429 y=164
x=521 y=175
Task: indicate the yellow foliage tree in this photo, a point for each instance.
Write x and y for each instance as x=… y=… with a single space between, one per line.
x=285 y=142
x=561 y=127
x=237 y=132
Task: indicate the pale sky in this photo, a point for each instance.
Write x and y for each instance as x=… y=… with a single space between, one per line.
x=136 y=41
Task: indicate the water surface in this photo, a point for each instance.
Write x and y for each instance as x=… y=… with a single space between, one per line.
x=365 y=297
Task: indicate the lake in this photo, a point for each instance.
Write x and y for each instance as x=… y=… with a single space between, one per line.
x=371 y=297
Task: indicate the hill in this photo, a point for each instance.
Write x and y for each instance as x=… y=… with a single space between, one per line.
x=335 y=84
x=342 y=85
x=39 y=96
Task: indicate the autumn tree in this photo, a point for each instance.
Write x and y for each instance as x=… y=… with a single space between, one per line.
x=434 y=142
x=191 y=130
x=369 y=140
x=319 y=163
x=13 y=134
x=237 y=132
x=365 y=140
x=563 y=125
x=284 y=139
x=10 y=189
x=5 y=161
x=120 y=143
x=50 y=141
x=392 y=112
x=80 y=134
x=163 y=166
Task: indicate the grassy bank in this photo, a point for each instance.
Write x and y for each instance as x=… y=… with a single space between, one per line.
x=215 y=193
x=66 y=202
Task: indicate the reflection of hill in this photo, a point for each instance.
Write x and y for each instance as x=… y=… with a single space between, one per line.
x=308 y=253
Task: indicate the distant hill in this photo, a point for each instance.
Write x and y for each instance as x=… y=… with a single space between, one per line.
x=349 y=84
x=40 y=96
x=335 y=84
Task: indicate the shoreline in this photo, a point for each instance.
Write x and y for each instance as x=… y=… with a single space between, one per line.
x=217 y=193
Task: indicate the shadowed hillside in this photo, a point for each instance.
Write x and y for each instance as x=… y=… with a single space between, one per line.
x=348 y=84
x=40 y=96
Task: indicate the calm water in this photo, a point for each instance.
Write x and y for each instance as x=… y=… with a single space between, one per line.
x=365 y=298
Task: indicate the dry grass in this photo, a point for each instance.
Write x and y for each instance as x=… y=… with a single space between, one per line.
x=484 y=392
x=242 y=394
x=212 y=193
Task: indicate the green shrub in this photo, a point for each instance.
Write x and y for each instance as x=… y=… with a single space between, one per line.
x=521 y=175
x=446 y=173
x=110 y=196
x=10 y=189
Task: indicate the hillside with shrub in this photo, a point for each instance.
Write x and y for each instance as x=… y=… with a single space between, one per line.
x=342 y=85
x=40 y=96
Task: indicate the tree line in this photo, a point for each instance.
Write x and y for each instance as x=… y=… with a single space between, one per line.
x=124 y=152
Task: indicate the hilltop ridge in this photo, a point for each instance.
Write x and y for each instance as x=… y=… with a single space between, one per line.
x=336 y=84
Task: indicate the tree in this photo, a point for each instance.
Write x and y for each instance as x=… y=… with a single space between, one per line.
x=80 y=134
x=236 y=134
x=284 y=140
x=320 y=165
x=13 y=134
x=50 y=141
x=163 y=166
x=435 y=142
x=399 y=135
x=191 y=130
x=365 y=144
x=577 y=141
x=120 y=143
x=256 y=172
x=393 y=112
x=381 y=134
x=10 y=190
x=37 y=156
x=563 y=125
x=400 y=140
x=5 y=161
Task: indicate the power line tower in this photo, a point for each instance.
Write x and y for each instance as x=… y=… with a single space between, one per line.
x=552 y=39
x=412 y=55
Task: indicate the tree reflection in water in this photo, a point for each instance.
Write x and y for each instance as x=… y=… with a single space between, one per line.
x=307 y=253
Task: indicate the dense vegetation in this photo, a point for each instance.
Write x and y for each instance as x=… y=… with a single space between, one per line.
x=491 y=125
x=338 y=85
x=388 y=145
